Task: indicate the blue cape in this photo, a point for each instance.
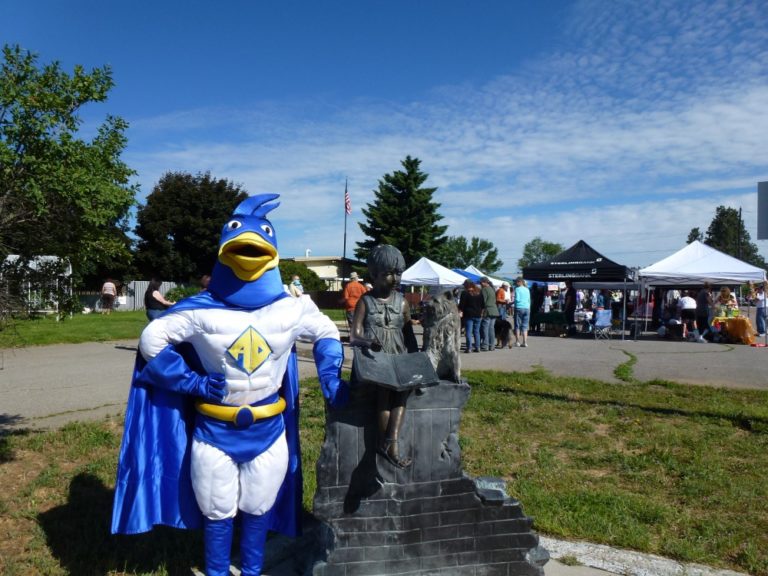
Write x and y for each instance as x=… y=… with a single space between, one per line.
x=153 y=483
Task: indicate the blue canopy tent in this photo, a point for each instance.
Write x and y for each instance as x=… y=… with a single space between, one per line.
x=474 y=277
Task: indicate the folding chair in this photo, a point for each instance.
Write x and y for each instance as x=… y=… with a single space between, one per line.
x=603 y=324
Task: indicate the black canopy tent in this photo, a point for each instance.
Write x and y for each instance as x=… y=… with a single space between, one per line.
x=580 y=263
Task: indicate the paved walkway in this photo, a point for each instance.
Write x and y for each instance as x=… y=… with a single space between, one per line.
x=45 y=387
x=49 y=385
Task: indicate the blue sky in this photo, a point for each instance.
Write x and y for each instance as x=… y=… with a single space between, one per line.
x=621 y=123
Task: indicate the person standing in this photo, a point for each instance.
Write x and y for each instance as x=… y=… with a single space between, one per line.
x=522 y=313
x=154 y=302
x=760 y=310
x=108 y=295
x=547 y=304
x=687 y=310
x=471 y=309
x=501 y=300
x=352 y=293
x=569 y=306
x=295 y=288
x=703 y=306
x=490 y=314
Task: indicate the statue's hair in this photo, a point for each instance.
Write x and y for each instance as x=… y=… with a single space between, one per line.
x=385 y=257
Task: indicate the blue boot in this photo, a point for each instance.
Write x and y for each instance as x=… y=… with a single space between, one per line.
x=252 y=541
x=218 y=545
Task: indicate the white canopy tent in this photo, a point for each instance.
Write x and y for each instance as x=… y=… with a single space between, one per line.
x=697 y=263
x=425 y=272
x=494 y=281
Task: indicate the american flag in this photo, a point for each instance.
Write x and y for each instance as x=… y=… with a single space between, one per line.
x=347 y=201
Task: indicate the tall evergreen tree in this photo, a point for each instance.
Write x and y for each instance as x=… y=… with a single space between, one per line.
x=403 y=215
x=728 y=234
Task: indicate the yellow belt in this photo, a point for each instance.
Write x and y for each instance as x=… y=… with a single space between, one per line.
x=241 y=415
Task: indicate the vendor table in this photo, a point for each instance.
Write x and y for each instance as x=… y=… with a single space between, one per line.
x=737 y=328
x=548 y=318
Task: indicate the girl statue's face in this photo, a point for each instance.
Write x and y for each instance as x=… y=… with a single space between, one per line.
x=388 y=279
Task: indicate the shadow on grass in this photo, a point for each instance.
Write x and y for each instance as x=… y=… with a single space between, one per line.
x=9 y=422
x=8 y=428
x=78 y=536
x=754 y=424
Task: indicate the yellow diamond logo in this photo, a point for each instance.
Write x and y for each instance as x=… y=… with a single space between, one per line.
x=250 y=350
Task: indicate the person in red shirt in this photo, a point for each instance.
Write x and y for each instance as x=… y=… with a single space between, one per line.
x=352 y=293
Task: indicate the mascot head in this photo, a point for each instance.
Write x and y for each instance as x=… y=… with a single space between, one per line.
x=246 y=274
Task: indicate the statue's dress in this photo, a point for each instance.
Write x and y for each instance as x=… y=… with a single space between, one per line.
x=384 y=322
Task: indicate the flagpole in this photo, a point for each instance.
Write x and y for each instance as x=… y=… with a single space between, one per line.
x=344 y=253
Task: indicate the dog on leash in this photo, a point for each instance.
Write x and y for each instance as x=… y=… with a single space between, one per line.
x=502 y=329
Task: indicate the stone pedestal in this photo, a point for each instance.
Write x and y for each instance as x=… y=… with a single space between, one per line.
x=429 y=518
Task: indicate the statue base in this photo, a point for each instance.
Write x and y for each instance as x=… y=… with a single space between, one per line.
x=428 y=518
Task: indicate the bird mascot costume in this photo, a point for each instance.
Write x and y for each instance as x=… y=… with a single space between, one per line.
x=211 y=425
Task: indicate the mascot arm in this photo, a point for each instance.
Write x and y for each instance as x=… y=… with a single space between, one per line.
x=169 y=370
x=329 y=356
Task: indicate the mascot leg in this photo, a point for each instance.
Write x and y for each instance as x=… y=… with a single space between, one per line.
x=252 y=541
x=218 y=545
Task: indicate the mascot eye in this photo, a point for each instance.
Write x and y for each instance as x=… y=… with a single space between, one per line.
x=234 y=224
x=267 y=229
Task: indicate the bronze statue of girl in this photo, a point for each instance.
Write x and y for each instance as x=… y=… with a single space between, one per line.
x=382 y=321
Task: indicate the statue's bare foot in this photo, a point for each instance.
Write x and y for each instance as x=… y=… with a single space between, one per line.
x=388 y=449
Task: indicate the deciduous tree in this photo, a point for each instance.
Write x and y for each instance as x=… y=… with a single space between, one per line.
x=404 y=215
x=538 y=250
x=460 y=253
x=180 y=225
x=60 y=194
x=309 y=278
x=693 y=235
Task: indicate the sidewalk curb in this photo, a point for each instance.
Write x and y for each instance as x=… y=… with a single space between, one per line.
x=627 y=562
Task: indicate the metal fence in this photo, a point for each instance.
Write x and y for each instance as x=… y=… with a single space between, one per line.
x=131 y=296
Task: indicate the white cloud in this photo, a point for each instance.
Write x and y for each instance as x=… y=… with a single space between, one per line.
x=646 y=118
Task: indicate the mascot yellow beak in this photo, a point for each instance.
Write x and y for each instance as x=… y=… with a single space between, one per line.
x=249 y=256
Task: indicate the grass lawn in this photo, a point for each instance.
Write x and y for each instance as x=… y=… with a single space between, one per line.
x=79 y=328
x=673 y=470
x=657 y=467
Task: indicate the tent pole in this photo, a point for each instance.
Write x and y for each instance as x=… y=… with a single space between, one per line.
x=624 y=308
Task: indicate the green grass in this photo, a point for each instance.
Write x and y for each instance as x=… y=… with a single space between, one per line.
x=669 y=469
x=657 y=467
x=74 y=330
x=625 y=371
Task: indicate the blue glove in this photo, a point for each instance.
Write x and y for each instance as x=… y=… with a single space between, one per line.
x=168 y=370
x=329 y=356
x=211 y=387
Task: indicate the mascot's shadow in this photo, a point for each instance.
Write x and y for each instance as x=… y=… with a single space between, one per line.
x=78 y=536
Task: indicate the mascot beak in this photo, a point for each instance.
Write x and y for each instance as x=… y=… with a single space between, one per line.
x=249 y=256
